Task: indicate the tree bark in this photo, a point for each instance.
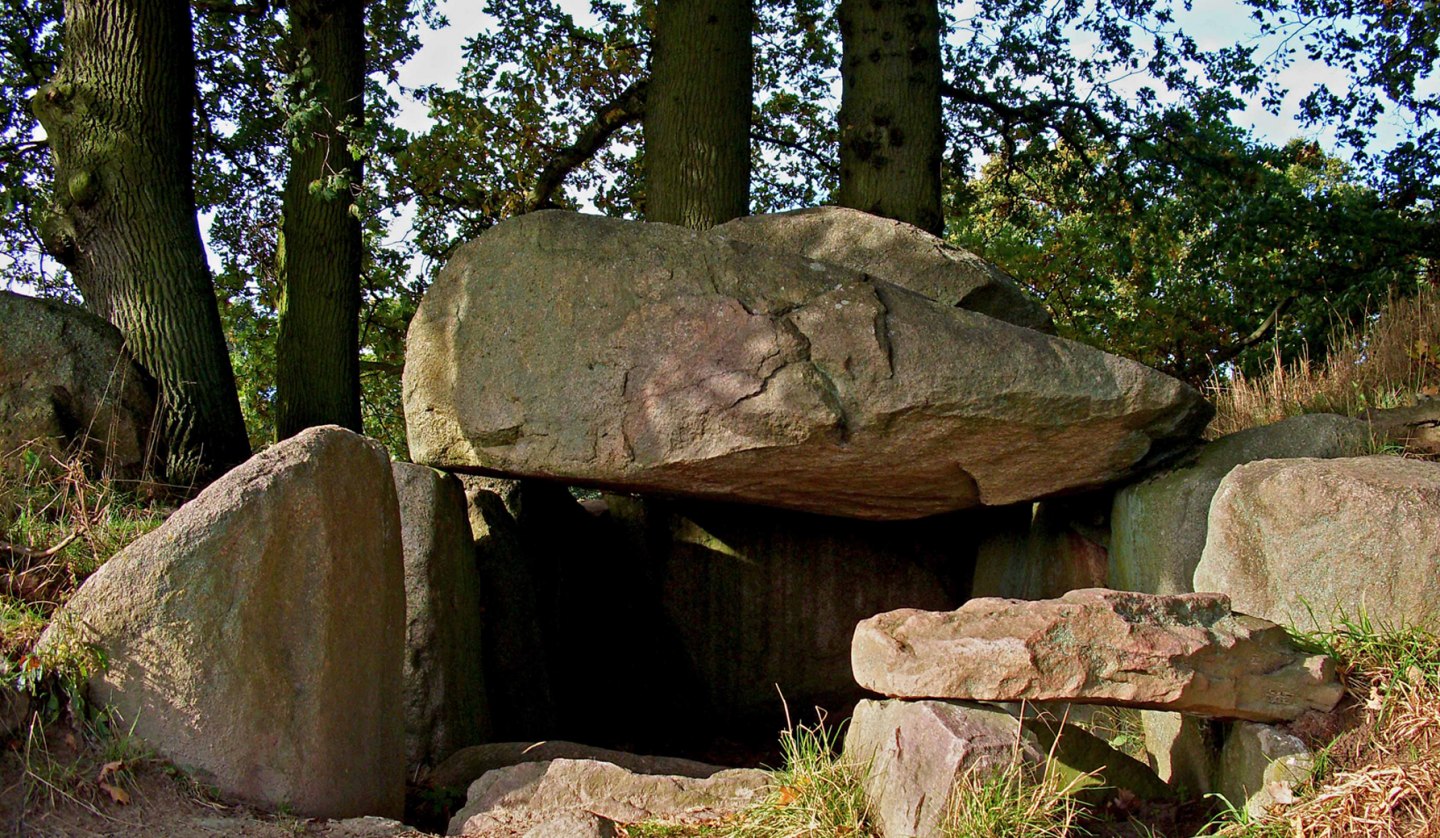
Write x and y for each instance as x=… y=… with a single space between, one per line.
x=122 y=218
x=317 y=351
x=891 y=139
x=697 y=118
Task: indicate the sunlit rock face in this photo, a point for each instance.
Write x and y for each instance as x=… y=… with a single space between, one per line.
x=651 y=358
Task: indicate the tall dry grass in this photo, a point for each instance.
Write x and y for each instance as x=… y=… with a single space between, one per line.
x=1393 y=362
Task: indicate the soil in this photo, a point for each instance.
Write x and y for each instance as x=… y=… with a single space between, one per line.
x=60 y=792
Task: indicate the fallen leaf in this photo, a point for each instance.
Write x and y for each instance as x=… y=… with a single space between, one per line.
x=109 y=769
x=788 y=795
x=116 y=793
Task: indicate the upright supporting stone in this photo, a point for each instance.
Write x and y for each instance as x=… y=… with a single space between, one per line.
x=1183 y=749
x=1261 y=766
x=1045 y=549
x=256 y=637
x=1159 y=524
x=445 y=705
x=517 y=672
x=763 y=602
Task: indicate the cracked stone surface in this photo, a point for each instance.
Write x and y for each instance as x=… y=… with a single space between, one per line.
x=651 y=358
x=1187 y=653
x=895 y=252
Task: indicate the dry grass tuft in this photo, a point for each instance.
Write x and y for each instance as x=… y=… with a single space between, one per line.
x=1013 y=802
x=1393 y=362
x=1381 y=778
x=1385 y=775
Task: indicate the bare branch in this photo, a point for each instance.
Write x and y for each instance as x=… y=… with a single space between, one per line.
x=225 y=7
x=625 y=109
x=821 y=159
x=1039 y=112
x=1228 y=353
x=31 y=554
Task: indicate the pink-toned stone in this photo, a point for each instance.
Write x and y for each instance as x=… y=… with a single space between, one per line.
x=1185 y=653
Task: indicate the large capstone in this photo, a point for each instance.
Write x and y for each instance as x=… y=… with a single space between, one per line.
x=895 y=252
x=650 y=358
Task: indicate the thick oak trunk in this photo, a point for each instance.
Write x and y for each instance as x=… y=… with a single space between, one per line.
x=697 y=119
x=317 y=375
x=891 y=139
x=122 y=218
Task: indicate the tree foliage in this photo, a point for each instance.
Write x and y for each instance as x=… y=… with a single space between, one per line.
x=29 y=56
x=1211 y=249
x=1387 y=53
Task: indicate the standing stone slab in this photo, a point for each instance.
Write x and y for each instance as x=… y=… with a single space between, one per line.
x=1303 y=541
x=256 y=637
x=911 y=753
x=1044 y=550
x=1183 y=749
x=517 y=669
x=445 y=706
x=895 y=252
x=762 y=603
x=658 y=359
x=1185 y=653
x=1159 y=525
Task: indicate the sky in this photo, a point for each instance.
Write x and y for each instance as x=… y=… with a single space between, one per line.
x=1214 y=23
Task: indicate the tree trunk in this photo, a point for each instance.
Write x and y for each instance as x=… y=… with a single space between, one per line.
x=697 y=119
x=317 y=374
x=891 y=140
x=122 y=219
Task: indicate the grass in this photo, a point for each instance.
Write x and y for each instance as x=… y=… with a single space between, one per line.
x=1381 y=776
x=1015 y=801
x=1392 y=362
x=820 y=794
x=57 y=526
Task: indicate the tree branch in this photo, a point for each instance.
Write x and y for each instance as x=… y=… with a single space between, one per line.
x=29 y=553
x=825 y=162
x=1038 y=112
x=225 y=7
x=626 y=108
x=1228 y=353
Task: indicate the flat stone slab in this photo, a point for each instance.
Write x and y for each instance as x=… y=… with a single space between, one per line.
x=651 y=358
x=518 y=799
x=1185 y=653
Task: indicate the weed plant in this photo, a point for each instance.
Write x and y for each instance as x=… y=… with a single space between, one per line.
x=58 y=525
